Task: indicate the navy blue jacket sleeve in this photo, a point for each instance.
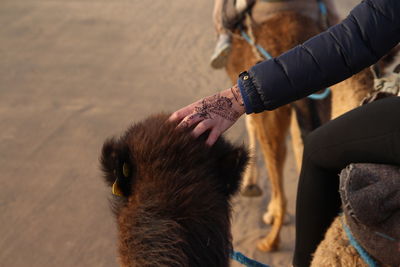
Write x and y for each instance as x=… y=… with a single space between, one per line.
x=369 y=32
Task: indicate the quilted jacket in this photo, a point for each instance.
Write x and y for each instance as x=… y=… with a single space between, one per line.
x=370 y=31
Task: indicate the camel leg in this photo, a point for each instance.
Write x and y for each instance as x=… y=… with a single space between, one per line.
x=249 y=186
x=272 y=128
x=297 y=142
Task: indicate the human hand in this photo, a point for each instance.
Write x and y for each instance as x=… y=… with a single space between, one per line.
x=216 y=113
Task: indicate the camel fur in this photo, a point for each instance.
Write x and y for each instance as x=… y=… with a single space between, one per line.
x=173 y=207
x=173 y=199
x=335 y=250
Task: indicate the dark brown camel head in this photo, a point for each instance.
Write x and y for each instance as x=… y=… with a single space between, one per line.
x=174 y=204
x=371 y=203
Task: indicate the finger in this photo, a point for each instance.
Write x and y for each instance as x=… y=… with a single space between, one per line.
x=179 y=114
x=189 y=121
x=173 y=117
x=201 y=128
x=176 y=116
x=213 y=137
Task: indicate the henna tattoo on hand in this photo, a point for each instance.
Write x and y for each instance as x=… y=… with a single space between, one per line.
x=219 y=105
x=202 y=110
x=236 y=93
x=187 y=122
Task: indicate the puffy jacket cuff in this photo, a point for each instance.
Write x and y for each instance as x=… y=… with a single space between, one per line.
x=245 y=98
x=251 y=99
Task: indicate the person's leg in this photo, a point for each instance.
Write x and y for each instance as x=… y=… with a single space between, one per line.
x=217 y=16
x=370 y=133
x=222 y=48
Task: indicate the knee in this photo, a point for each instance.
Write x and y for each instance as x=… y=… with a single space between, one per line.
x=313 y=141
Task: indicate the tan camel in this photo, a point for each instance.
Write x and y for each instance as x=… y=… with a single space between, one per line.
x=278 y=33
x=282 y=30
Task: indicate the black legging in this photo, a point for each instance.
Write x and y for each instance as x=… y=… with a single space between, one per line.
x=369 y=134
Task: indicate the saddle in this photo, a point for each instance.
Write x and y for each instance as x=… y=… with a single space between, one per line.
x=384 y=85
x=234 y=11
x=370 y=196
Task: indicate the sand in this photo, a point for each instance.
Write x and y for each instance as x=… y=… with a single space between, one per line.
x=75 y=72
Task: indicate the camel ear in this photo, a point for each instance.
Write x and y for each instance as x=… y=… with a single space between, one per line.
x=232 y=165
x=117 y=167
x=108 y=153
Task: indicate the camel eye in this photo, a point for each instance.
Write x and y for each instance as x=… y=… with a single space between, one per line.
x=125 y=170
x=122 y=170
x=122 y=183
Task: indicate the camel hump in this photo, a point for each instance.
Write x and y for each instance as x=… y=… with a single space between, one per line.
x=263 y=10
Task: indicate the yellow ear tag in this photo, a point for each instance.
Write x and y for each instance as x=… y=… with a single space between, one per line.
x=115 y=190
x=125 y=170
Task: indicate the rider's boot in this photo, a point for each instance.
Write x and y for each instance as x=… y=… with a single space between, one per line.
x=221 y=51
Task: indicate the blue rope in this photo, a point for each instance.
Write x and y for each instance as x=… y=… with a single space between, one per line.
x=386 y=236
x=259 y=47
x=322 y=8
x=239 y=257
x=363 y=254
x=320 y=96
x=324 y=13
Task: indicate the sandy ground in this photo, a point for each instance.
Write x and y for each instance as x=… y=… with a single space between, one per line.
x=75 y=72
